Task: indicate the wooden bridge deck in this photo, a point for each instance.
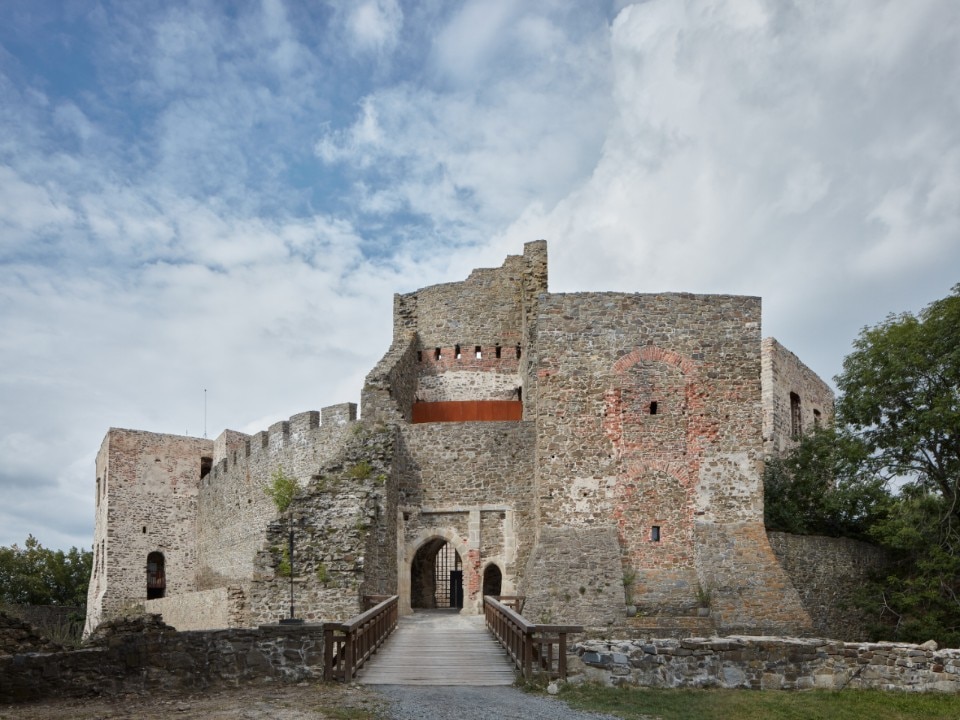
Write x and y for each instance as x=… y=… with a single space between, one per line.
x=439 y=647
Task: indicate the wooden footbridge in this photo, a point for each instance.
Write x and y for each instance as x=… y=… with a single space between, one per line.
x=442 y=647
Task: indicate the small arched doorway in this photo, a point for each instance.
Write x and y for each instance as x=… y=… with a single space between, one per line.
x=156 y=577
x=436 y=576
x=492 y=580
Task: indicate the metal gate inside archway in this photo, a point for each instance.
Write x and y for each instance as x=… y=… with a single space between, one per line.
x=436 y=576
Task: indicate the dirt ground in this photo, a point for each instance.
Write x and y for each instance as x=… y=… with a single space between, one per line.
x=306 y=701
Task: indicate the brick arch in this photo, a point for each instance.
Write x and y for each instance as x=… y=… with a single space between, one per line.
x=686 y=365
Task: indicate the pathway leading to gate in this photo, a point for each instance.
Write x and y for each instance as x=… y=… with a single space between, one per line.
x=439 y=647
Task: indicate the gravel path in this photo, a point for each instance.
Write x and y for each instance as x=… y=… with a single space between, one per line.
x=407 y=702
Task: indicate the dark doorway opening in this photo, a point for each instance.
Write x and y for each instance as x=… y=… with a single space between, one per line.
x=156 y=577
x=436 y=576
x=492 y=580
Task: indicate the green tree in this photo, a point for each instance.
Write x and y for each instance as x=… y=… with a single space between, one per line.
x=822 y=487
x=900 y=394
x=35 y=575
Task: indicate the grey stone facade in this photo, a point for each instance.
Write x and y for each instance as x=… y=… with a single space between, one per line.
x=630 y=466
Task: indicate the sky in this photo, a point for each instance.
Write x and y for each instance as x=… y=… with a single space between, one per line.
x=206 y=208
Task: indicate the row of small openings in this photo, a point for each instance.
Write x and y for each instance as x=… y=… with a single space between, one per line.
x=477 y=353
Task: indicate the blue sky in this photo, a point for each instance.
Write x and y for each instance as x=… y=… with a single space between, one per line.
x=225 y=196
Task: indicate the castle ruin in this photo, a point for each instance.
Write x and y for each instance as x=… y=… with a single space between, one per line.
x=600 y=453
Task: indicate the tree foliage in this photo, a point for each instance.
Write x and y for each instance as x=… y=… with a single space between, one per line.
x=281 y=489
x=900 y=394
x=821 y=488
x=35 y=575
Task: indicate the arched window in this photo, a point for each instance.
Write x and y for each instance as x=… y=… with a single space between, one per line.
x=492 y=580
x=156 y=578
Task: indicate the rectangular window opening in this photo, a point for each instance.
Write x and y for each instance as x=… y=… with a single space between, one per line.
x=518 y=351
x=653 y=407
x=496 y=352
x=796 y=416
x=456 y=351
x=419 y=355
x=478 y=353
x=655 y=533
x=436 y=354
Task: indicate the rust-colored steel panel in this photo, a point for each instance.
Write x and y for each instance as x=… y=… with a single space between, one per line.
x=467 y=411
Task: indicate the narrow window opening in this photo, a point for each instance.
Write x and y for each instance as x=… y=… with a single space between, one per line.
x=144 y=529
x=653 y=408
x=518 y=352
x=520 y=394
x=456 y=351
x=655 y=533
x=98 y=492
x=206 y=465
x=816 y=418
x=419 y=355
x=478 y=353
x=496 y=352
x=156 y=578
x=796 y=416
x=436 y=354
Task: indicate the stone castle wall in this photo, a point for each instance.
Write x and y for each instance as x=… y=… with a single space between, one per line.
x=344 y=524
x=148 y=485
x=783 y=374
x=827 y=573
x=233 y=507
x=648 y=414
x=470 y=483
x=217 y=609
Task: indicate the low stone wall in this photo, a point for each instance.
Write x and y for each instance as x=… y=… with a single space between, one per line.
x=166 y=661
x=767 y=663
x=216 y=609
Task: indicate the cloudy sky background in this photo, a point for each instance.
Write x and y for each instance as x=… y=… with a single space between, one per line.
x=226 y=196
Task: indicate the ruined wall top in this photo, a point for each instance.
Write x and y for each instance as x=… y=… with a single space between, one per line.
x=487 y=308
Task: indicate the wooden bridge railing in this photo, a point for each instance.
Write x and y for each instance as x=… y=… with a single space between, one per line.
x=534 y=648
x=347 y=646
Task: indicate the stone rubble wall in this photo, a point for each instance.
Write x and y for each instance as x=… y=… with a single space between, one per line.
x=216 y=609
x=783 y=373
x=344 y=536
x=766 y=663
x=827 y=573
x=173 y=662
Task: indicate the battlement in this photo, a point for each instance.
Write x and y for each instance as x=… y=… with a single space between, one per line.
x=233 y=448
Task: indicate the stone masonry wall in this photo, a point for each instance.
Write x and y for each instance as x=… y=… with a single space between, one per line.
x=575 y=577
x=470 y=483
x=148 y=486
x=827 y=572
x=166 y=662
x=216 y=609
x=782 y=374
x=344 y=530
x=233 y=508
x=766 y=663
x=648 y=413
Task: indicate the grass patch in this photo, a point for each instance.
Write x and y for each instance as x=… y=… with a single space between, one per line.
x=715 y=704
